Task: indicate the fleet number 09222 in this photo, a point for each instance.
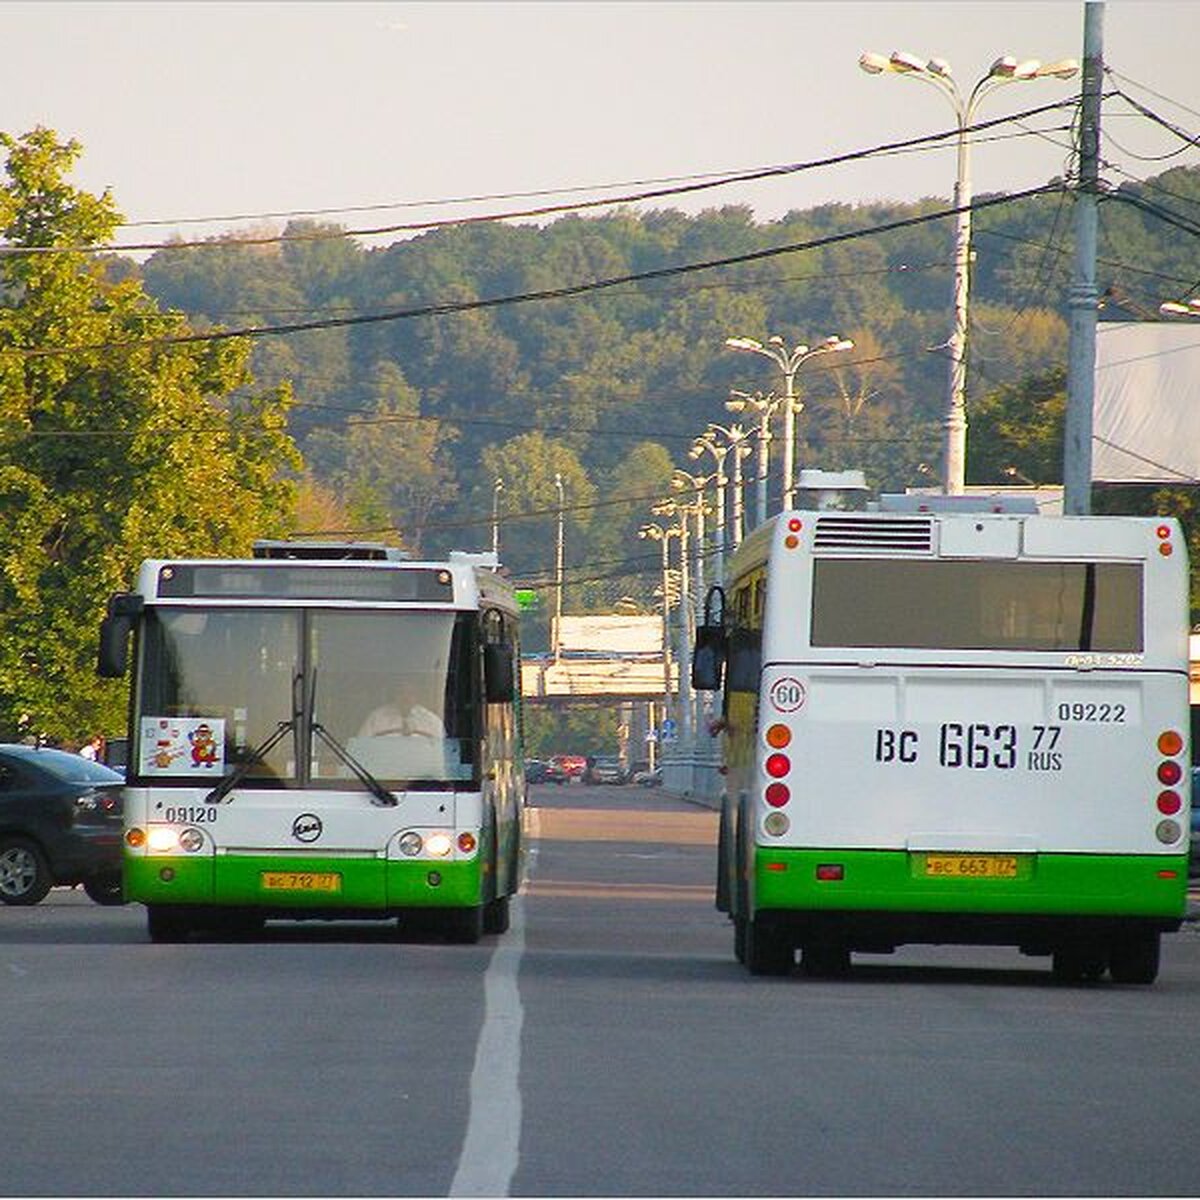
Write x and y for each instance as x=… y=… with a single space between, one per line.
x=975 y=746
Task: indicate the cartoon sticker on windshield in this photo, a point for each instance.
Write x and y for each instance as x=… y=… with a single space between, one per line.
x=183 y=746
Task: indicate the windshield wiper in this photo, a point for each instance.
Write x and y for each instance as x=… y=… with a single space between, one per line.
x=230 y=781
x=380 y=795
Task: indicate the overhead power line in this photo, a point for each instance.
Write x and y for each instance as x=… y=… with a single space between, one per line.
x=751 y=176
x=450 y=308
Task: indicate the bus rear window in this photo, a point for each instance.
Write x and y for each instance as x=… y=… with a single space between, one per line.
x=990 y=605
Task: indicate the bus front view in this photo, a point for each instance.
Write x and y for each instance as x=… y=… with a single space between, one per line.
x=317 y=741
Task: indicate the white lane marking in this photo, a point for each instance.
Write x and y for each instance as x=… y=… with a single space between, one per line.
x=491 y=1148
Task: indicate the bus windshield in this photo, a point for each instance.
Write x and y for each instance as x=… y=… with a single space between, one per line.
x=977 y=605
x=394 y=691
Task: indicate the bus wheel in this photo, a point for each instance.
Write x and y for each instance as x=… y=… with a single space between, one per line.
x=463 y=926
x=827 y=961
x=768 y=952
x=167 y=924
x=1134 y=959
x=739 y=939
x=496 y=916
x=1075 y=965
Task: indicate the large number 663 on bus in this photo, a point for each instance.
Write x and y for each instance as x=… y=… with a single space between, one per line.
x=951 y=726
x=321 y=731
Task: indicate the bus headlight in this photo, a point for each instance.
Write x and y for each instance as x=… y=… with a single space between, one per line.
x=438 y=844
x=410 y=843
x=161 y=839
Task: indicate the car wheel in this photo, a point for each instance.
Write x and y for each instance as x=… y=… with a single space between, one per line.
x=24 y=874
x=105 y=889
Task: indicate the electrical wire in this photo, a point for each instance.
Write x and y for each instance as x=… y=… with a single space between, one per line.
x=449 y=308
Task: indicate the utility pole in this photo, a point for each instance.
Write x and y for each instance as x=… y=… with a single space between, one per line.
x=1081 y=349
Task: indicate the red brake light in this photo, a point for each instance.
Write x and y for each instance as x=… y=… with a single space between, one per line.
x=777 y=794
x=779 y=765
x=1169 y=773
x=1169 y=803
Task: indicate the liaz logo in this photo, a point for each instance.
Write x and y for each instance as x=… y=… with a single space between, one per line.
x=307 y=827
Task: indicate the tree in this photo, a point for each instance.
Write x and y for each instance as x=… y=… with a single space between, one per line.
x=116 y=443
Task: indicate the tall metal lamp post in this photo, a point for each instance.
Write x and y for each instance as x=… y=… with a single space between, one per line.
x=765 y=406
x=558 y=573
x=735 y=438
x=662 y=534
x=936 y=71
x=673 y=508
x=497 y=488
x=684 y=481
x=789 y=362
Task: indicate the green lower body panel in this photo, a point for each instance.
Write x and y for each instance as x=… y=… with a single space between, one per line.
x=1100 y=885
x=304 y=882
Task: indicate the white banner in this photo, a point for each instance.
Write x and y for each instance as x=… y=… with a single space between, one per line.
x=1146 y=426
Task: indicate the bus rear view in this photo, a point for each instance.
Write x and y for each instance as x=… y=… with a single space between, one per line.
x=952 y=727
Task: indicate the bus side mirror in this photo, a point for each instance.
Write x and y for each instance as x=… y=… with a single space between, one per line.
x=708 y=655
x=708 y=658
x=499 y=678
x=123 y=610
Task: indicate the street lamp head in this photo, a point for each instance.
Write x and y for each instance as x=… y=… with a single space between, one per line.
x=1027 y=69
x=743 y=343
x=774 y=340
x=872 y=63
x=1003 y=67
x=903 y=61
x=1065 y=68
x=939 y=67
x=654 y=532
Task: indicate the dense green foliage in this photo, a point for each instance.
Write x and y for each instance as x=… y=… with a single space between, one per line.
x=425 y=429
x=109 y=452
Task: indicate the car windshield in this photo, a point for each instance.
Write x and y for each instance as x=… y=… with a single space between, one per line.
x=70 y=768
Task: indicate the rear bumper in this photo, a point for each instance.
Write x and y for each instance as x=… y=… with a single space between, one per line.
x=1151 y=887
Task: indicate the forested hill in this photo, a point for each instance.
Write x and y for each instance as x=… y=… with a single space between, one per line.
x=407 y=421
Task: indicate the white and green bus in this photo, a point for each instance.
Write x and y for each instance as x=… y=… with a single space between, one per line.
x=321 y=731
x=951 y=726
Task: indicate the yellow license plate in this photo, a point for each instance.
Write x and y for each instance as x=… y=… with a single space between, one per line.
x=971 y=866
x=301 y=881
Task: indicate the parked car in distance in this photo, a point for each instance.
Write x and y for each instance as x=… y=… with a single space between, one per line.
x=535 y=770
x=60 y=823
x=573 y=766
x=606 y=770
x=648 y=778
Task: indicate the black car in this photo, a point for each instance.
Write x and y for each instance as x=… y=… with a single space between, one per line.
x=535 y=770
x=60 y=823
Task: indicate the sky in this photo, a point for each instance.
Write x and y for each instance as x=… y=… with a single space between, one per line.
x=206 y=118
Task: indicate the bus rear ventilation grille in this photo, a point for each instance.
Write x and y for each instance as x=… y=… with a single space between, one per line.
x=874 y=533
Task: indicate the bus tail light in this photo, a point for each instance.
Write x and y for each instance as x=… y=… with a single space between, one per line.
x=1168 y=832
x=778 y=765
x=777 y=794
x=1169 y=743
x=778 y=736
x=777 y=824
x=830 y=872
x=1169 y=772
x=438 y=844
x=1169 y=803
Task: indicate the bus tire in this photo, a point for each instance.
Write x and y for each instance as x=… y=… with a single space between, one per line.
x=1134 y=958
x=165 y=923
x=768 y=952
x=24 y=873
x=1075 y=964
x=739 y=939
x=824 y=961
x=496 y=915
x=463 y=926
x=722 y=890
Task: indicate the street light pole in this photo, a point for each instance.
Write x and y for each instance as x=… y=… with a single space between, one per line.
x=789 y=362
x=558 y=573
x=735 y=437
x=765 y=406
x=682 y=480
x=687 y=631
x=497 y=488
x=706 y=442
x=937 y=72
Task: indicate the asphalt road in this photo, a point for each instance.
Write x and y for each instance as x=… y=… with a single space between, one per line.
x=607 y=1045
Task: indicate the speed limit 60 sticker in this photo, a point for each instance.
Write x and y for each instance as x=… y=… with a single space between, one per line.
x=787 y=695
